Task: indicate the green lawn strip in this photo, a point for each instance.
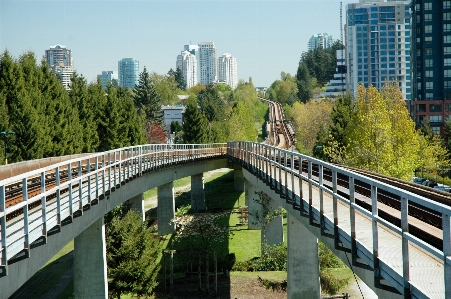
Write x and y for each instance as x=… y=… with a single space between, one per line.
x=272 y=275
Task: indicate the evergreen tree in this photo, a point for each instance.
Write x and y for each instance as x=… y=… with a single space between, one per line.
x=110 y=124
x=147 y=100
x=446 y=134
x=195 y=124
x=132 y=124
x=211 y=104
x=426 y=129
x=132 y=255
x=82 y=100
x=304 y=83
x=180 y=79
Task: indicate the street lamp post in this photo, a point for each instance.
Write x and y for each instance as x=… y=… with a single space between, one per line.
x=5 y=143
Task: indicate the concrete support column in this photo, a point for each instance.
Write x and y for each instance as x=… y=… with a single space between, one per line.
x=166 y=209
x=255 y=208
x=238 y=179
x=138 y=205
x=197 y=192
x=303 y=261
x=273 y=232
x=90 y=270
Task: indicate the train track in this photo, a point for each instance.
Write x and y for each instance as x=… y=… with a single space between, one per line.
x=280 y=132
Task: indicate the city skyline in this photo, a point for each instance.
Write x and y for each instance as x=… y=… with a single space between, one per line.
x=262 y=35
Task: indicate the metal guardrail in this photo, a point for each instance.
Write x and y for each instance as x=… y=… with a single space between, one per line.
x=105 y=172
x=271 y=163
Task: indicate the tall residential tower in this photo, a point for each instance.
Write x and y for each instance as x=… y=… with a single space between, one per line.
x=323 y=40
x=128 y=72
x=187 y=63
x=431 y=62
x=59 y=59
x=208 y=63
x=227 y=70
x=378 y=44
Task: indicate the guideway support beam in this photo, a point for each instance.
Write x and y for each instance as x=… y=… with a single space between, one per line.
x=197 y=192
x=166 y=209
x=90 y=269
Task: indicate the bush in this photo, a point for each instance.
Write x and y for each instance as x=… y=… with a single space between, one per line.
x=273 y=285
x=274 y=258
x=331 y=284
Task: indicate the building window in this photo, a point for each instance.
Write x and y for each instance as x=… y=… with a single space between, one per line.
x=446 y=27
x=428 y=62
x=436 y=130
x=447 y=16
x=429 y=96
x=419 y=85
x=447 y=39
x=447 y=61
x=428 y=6
x=447 y=84
x=427 y=17
x=435 y=118
x=428 y=39
x=421 y=108
x=446 y=4
x=446 y=50
x=429 y=85
x=435 y=108
x=447 y=107
x=429 y=74
x=447 y=73
x=428 y=28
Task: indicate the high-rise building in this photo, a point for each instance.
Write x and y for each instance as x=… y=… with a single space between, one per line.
x=227 y=70
x=128 y=72
x=194 y=49
x=208 y=63
x=107 y=76
x=323 y=40
x=378 y=44
x=187 y=63
x=337 y=86
x=59 y=59
x=431 y=62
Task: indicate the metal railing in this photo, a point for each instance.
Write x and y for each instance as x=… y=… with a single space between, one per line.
x=62 y=189
x=276 y=166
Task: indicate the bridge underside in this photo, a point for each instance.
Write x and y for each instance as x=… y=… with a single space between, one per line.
x=362 y=270
x=42 y=251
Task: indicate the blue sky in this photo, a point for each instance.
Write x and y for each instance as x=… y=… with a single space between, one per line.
x=266 y=37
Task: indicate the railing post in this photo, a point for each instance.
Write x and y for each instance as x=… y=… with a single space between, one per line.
x=321 y=195
x=120 y=169
x=103 y=176
x=109 y=172
x=71 y=198
x=279 y=155
x=374 y=212
x=25 y=217
x=43 y=207
x=58 y=195
x=446 y=222
x=310 y=191
x=352 y=218
x=3 y=247
x=293 y=193
x=285 y=157
x=97 y=177
x=335 y=206
x=301 y=189
x=405 y=246
x=89 y=182
x=80 y=188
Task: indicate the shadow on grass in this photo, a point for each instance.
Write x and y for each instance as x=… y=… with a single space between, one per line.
x=219 y=196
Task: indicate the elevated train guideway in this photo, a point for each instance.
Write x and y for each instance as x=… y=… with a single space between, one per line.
x=67 y=200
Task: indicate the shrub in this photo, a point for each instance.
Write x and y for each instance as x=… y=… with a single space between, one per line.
x=331 y=284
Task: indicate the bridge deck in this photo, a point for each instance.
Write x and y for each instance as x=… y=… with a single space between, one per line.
x=426 y=270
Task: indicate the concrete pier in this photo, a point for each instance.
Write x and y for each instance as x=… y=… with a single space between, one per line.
x=90 y=269
x=238 y=179
x=138 y=205
x=197 y=192
x=255 y=208
x=302 y=261
x=166 y=209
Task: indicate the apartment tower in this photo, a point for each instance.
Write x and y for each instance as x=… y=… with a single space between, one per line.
x=378 y=44
x=128 y=72
x=227 y=70
x=208 y=63
x=187 y=63
x=59 y=59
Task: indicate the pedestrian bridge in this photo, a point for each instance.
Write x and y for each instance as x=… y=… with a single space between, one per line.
x=67 y=200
